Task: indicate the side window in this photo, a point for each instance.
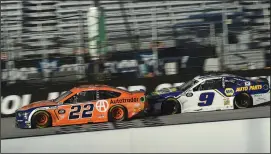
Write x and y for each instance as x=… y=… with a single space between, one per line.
x=84 y=96
x=229 y=84
x=209 y=85
x=106 y=94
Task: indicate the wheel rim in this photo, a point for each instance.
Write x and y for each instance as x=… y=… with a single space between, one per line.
x=170 y=108
x=242 y=103
x=118 y=113
x=42 y=119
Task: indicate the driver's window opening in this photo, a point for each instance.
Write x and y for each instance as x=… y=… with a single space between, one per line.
x=230 y=83
x=209 y=85
x=82 y=97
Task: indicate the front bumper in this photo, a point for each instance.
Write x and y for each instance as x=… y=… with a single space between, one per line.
x=21 y=119
x=22 y=124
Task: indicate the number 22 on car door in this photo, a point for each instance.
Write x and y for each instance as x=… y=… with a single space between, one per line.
x=75 y=113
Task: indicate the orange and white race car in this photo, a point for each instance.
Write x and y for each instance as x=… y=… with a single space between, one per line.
x=82 y=105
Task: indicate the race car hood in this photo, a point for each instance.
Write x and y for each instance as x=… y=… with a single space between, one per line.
x=42 y=103
x=165 y=92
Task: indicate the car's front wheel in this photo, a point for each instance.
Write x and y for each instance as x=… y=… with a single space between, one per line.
x=41 y=119
x=170 y=106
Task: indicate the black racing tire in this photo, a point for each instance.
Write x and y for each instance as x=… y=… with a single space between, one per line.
x=242 y=101
x=41 y=119
x=117 y=113
x=170 y=106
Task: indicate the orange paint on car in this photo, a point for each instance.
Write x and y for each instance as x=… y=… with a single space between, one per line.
x=63 y=113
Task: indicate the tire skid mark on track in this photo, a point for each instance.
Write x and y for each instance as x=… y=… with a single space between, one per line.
x=9 y=131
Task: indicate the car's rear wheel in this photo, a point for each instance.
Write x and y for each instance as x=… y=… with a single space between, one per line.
x=242 y=101
x=117 y=113
x=170 y=106
x=41 y=119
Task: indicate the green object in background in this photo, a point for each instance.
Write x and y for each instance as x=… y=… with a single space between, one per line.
x=101 y=40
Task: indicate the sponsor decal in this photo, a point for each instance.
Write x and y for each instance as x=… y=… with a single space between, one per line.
x=61 y=111
x=249 y=88
x=256 y=87
x=124 y=100
x=241 y=89
x=229 y=91
x=101 y=116
x=102 y=105
x=247 y=83
x=226 y=101
x=258 y=95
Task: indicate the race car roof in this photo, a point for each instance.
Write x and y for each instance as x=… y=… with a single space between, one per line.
x=214 y=76
x=92 y=86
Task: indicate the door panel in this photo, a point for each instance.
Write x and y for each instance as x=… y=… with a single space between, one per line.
x=78 y=109
x=203 y=97
x=75 y=113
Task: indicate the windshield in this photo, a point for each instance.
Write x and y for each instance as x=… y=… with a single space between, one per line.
x=61 y=96
x=187 y=85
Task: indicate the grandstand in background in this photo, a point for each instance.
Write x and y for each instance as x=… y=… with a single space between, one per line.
x=34 y=27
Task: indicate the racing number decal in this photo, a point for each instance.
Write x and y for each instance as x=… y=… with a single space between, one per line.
x=87 y=112
x=206 y=98
x=78 y=109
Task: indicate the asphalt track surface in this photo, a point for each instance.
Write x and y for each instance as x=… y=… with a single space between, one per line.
x=9 y=131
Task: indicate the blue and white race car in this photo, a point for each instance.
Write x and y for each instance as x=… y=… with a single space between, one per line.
x=210 y=93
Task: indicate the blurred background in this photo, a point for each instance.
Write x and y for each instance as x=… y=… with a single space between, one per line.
x=94 y=40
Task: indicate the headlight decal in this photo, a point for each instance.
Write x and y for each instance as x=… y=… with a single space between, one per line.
x=19 y=114
x=25 y=114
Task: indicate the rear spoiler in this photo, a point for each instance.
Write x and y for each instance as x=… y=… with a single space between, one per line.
x=141 y=90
